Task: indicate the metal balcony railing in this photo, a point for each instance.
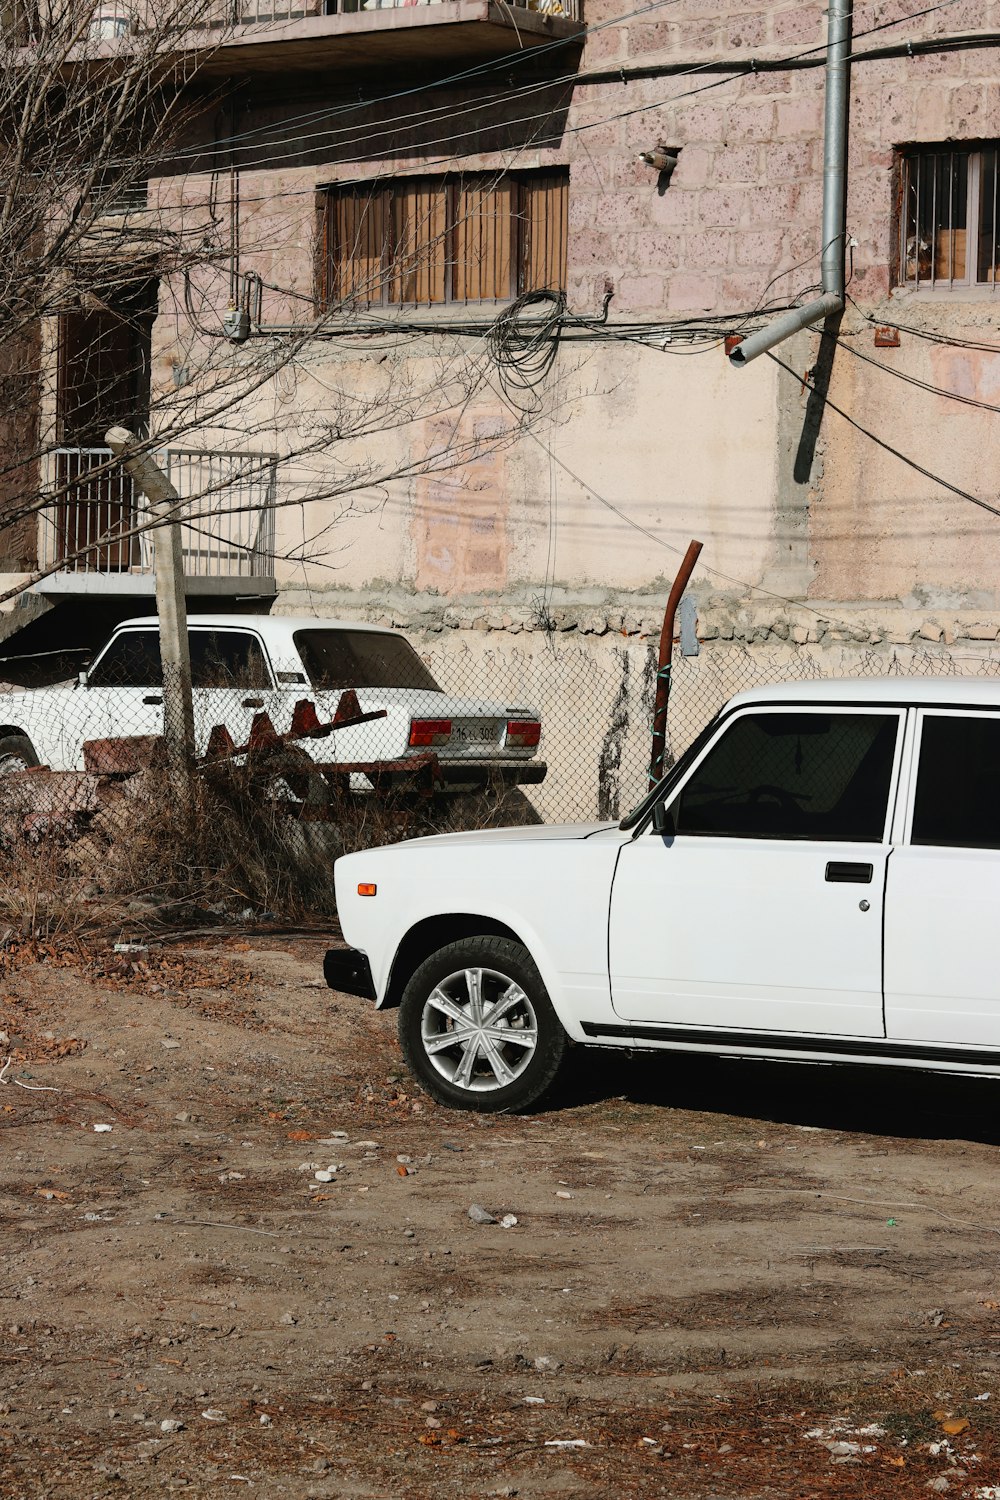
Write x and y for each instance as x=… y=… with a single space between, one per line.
x=264 y=12
x=95 y=524
x=21 y=21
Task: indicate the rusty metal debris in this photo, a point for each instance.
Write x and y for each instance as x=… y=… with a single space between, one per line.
x=305 y=725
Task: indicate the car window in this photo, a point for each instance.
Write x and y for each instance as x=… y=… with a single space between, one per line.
x=227 y=658
x=219 y=659
x=131 y=660
x=794 y=776
x=957 y=800
x=361 y=658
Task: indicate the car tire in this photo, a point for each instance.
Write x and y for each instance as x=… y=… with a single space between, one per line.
x=504 y=1067
x=17 y=753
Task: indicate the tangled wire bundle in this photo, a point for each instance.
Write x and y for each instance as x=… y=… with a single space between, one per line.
x=524 y=344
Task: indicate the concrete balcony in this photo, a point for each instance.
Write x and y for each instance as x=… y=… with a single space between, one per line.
x=327 y=37
x=280 y=36
x=93 y=534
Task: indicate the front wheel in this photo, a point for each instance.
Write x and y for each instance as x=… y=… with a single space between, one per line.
x=478 y=1029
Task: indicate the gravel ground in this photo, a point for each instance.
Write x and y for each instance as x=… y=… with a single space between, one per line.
x=725 y=1280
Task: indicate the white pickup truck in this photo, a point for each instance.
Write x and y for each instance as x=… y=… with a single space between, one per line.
x=817 y=879
x=243 y=665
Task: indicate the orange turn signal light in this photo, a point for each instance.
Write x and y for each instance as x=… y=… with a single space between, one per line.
x=367 y=890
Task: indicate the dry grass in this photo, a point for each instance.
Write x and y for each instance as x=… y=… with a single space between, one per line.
x=254 y=839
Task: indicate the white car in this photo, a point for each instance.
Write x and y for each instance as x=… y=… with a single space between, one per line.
x=817 y=879
x=244 y=665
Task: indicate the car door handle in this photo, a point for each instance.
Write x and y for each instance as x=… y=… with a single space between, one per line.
x=843 y=872
x=253 y=703
x=153 y=699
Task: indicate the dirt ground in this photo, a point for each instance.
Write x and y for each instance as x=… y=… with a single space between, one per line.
x=725 y=1280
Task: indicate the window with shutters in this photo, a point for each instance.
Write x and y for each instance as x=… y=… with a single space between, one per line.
x=480 y=237
x=949 y=217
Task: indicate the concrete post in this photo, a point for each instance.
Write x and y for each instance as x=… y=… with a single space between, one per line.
x=175 y=653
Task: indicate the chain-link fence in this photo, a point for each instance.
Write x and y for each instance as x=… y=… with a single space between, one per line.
x=702 y=684
x=310 y=738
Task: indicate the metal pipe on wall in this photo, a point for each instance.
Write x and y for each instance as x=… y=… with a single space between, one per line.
x=838 y=54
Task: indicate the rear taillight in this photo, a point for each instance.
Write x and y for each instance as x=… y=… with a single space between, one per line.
x=424 y=732
x=523 y=734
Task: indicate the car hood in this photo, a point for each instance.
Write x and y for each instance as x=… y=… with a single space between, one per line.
x=533 y=834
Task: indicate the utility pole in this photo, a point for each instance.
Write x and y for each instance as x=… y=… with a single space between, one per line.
x=175 y=652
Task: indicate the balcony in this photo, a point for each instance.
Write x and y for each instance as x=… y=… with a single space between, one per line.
x=326 y=37
x=276 y=36
x=91 y=533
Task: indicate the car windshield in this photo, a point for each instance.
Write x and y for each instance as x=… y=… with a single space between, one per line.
x=361 y=659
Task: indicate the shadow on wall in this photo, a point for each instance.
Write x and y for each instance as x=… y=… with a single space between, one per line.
x=595 y=701
x=465 y=129
x=820 y=376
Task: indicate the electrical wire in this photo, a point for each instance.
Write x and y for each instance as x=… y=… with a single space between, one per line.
x=644 y=333
x=525 y=348
x=735 y=69
x=911 y=463
x=227 y=144
x=659 y=541
x=931 y=335
x=508 y=59
x=923 y=385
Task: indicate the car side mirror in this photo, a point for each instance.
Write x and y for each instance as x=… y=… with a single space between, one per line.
x=81 y=678
x=663 y=820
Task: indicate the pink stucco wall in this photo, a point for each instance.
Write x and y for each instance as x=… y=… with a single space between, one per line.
x=737 y=228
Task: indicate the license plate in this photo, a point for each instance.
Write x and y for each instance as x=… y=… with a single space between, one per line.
x=474 y=734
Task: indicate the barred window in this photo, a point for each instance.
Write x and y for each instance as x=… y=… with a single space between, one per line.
x=480 y=237
x=949 y=229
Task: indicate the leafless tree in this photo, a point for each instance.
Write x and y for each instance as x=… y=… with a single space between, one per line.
x=115 y=219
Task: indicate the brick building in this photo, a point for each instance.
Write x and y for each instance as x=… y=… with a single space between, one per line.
x=391 y=179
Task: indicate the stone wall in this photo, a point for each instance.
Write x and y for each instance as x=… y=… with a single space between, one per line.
x=577 y=512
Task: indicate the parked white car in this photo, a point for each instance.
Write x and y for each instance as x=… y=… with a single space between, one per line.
x=243 y=665
x=817 y=879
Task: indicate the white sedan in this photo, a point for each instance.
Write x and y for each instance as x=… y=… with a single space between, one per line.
x=817 y=879
x=245 y=665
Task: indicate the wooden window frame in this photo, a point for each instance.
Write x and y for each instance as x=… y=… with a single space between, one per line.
x=331 y=272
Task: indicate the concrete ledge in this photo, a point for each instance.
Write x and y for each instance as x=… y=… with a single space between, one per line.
x=398 y=36
x=143 y=586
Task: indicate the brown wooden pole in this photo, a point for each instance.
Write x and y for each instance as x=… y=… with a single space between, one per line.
x=666 y=660
x=171 y=606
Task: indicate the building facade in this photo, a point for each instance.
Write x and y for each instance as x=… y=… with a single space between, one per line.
x=490 y=257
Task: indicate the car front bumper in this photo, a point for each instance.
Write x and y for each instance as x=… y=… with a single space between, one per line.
x=347 y=970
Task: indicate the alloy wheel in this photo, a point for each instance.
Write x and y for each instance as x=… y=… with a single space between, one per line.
x=479 y=1029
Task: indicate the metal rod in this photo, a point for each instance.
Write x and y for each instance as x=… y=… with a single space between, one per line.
x=666 y=660
x=838 y=50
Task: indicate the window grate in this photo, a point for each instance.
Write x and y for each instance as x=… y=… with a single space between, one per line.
x=948 y=226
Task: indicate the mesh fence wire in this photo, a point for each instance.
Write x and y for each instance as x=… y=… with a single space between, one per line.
x=322 y=739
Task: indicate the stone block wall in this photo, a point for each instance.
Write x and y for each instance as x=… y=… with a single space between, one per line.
x=739 y=223
x=740 y=219
x=792 y=497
